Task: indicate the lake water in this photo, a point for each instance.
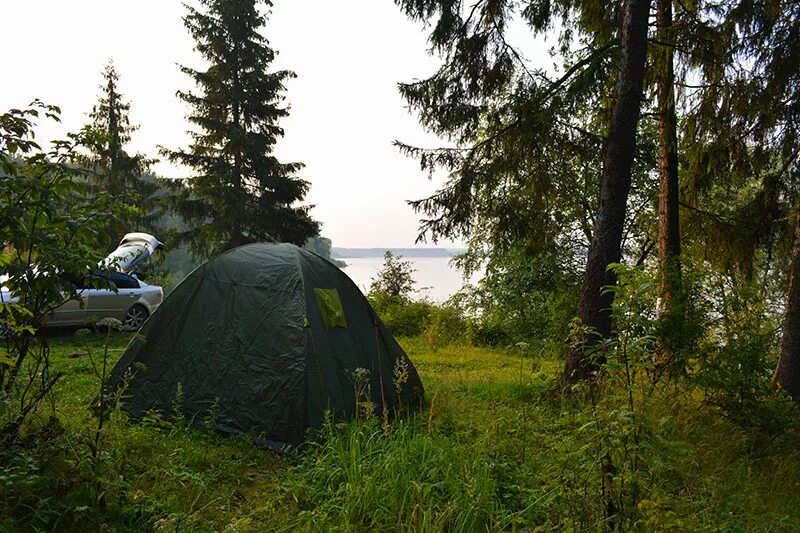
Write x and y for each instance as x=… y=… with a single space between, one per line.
x=435 y=277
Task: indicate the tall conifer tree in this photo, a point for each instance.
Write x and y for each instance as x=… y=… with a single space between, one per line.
x=594 y=306
x=742 y=158
x=669 y=241
x=112 y=169
x=524 y=176
x=240 y=192
x=787 y=373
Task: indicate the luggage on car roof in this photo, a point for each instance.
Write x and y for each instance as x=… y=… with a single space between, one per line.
x=133 y=249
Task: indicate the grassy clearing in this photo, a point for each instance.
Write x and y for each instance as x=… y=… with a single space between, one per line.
x=495 y=449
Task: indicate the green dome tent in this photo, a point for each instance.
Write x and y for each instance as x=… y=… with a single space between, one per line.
x=276 y=336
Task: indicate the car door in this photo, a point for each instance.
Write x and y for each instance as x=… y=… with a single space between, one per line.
x=113 y=302
x=72 y=312
x=128 y=292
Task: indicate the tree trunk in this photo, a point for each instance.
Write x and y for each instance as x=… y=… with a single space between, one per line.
x=237 y=235
x=114 y=143
x=670 y=308
x=787 y=374
x=594 y=306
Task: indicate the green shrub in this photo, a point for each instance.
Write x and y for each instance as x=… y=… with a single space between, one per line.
x=736 y=376
x=734 y=362
x=439 y=324
x=523 y=296
x=445 y=325
x=402 y=316
x=491 y=332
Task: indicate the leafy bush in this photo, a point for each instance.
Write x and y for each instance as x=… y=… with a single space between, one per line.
x=52 y=235
x=439 y=324
x=390 y=296
x=736 y=376
x=396 y=277
x=734 y=361
x=524 y=296
x=402 y=316
x=446 y=324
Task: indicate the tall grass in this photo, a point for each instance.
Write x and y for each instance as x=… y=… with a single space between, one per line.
x=358 y=476
x=496 y=448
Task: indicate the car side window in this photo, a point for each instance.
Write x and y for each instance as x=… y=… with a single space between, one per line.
x=93 y=280
x=124 y=281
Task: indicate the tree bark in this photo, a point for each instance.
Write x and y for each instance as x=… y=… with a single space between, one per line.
x=594 y=306
x=787 y=373
x=114 y=143
x=236 y=234
x=670 y=309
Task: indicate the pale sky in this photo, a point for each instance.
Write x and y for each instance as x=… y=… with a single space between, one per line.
x=345 y=107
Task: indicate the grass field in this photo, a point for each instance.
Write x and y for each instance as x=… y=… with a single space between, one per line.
x=496 y=448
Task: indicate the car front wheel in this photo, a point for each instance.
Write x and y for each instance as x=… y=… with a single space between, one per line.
x=135 y=317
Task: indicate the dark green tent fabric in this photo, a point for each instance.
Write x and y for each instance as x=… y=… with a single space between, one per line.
x=273 y=334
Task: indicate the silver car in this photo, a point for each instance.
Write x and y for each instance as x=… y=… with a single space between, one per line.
x=132 y=301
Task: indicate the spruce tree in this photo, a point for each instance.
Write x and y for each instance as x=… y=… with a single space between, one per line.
x=112 y=169
x=240 y=192
x=669 y=240
x=594 y=306
x=526 y=173
x=740 y=153
x=787 y=372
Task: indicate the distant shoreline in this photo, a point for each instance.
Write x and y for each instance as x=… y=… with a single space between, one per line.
x=355 y=253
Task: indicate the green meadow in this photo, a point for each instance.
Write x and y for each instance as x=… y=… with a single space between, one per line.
x=496 y=447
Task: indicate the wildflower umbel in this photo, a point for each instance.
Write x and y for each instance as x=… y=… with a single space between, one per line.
x=361 y=385
x=361 y=380
x=111 y=323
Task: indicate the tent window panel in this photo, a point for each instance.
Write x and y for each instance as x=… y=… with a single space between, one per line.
x=331 y=308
